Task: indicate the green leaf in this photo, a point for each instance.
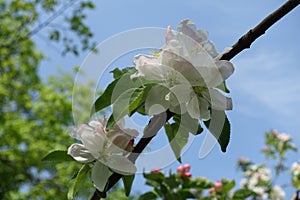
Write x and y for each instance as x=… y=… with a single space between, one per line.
x=178 y=137
x=158 y=177
x=117 y=73
x=201 y=183
x=127 y=181
x=172 y=181
x=105 y=99
x=114 y=90
x=58 y=156
x=219 y=126
x=227 y=185
x=148 y=196
x=125 y=104
x=242 y=194
x=184 y=194
x=75 y=183
x=188 y=123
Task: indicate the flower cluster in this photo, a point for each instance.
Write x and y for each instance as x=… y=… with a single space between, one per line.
x=104 y=149
x=188 y=72
x=257 y=178
x=295 y=171
x=277 y=144
x=184 y=170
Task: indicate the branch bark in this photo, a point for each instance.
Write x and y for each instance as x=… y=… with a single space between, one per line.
x=157 y=122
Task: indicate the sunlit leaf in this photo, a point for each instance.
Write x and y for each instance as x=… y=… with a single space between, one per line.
x=58 y=156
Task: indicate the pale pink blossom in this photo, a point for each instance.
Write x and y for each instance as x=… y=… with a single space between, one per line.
x=284 y=137
x=107 y=149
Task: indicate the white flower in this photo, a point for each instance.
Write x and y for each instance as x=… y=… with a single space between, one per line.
x=277 y=193
x=260 y=191
x=188 y=71
x=107 y=149
x=284 y=137
x=295 y=169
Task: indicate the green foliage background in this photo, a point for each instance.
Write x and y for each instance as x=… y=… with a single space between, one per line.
x=35 y=114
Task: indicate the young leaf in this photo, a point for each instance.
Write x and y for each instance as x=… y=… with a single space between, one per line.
x=177 y=138
x=201 y=183
x=242 y=194
x=184 y=194
x=117 y=73
x=219 y=126
x=58 y=156
x=187 y=123
x=125 y=104
x=148 y=196
x=227 y=185
x=127 y=181
x=105 y=99
x=75 y=183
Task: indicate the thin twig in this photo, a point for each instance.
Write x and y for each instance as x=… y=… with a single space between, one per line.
x=246 y=40
x=243 y=43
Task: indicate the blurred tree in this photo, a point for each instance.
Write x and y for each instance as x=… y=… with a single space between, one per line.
x=35 y=114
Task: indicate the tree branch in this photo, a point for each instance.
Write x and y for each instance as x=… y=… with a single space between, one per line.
x=246 y=40
x=157 y=122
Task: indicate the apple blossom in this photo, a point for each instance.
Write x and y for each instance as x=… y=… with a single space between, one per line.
x=295 y=169
x=277 y=193
x=104 y=149
x=284 y=137
x=188 y=71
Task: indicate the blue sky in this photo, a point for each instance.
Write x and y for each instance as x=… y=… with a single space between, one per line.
x=264 y=86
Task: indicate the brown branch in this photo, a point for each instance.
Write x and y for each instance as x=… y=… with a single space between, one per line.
x=157 y=122
x=246 y=40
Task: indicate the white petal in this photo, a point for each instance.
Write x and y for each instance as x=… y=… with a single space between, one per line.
x=189 y=28
x=94 y=142
x=95 y=123
x=121 y=165
x=149 y=67
x=100 y=175
x=83 y=128
x=180 y=96
x=218 y=100
x=204 y=109
x=156 y=101
x=193 y=108
x=225 y=68
x=80 y=153
x=210 y=48
x=120 y=124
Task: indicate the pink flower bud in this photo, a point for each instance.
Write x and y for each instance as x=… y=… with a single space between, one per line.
x=156 y=170
x=218 y=186
x=187 y=175
x=184 y=170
